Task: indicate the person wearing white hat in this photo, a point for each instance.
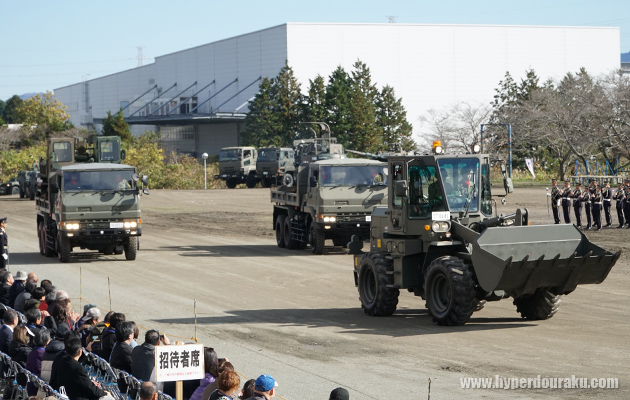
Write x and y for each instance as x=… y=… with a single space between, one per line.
x=17 y=287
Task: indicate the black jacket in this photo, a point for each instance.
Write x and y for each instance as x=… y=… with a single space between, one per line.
x=19 y=352
x=4 y=293
x=6 y=337
x=121 y=357
x=107 y=343
x=143 y=362
x=74 y=378
x=16 y=288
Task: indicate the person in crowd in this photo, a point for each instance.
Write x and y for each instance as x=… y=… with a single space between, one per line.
x=94 y=339
x=121 y=353
x=49 y=300
x=556 y=196
x=566 y=202
x=52 y=350
x=264 y=388
x=10 y=319
x=229 y=383
x=248 y=389
x=211 y=365
x=607 y=197
x=619 y=199
x=86 y=324
x=19 y=347
x=224 y=365
x=7 y=282
x=33 y=323
x=4 y=244
x=109 y=335
x=37 y=297
x=21 y=298
x=598 y=205
x=576 y=195
x=71 y=375
x=143 y=356
x=339 y=394
x=33 y=276
x=62 y=315
x=136 y=333
x=34 y=359
x=59 y=296
x=47 y=285
x=17 y=287
x=148 y=391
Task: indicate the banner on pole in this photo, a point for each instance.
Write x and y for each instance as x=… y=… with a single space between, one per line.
x=530 y=166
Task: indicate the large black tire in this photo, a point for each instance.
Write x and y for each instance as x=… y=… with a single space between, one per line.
x=49 y=248
x=265 y=182
x=230 y=183
x=63 y=249
x=280 y=231
x=376 y=277
x=41 y=238
x=289 y=242
x=250 y=182
x=450 y=291
x=131 y=248
x=316 y=238
x=538 y=306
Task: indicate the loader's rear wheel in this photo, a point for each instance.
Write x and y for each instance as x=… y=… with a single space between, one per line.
x=376 y=278
x=280 y=231
x=316 y=238
x=450 y=291
x=541 y=305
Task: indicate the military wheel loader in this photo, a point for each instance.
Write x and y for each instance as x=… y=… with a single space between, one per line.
x=438 y=238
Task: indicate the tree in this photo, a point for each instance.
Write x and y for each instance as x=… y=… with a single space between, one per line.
x=2 y=107
x=365 y=134
x=315 y=101
x=115 y=125
x=44 y=110
x=338 y=105
x=11 y=114
x=261 y=124
x=391 y=116
x=289 y=104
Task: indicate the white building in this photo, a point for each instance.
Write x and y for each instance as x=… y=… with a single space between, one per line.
x=198 y=97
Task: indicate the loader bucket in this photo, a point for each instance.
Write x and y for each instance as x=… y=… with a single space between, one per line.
x=521 y=259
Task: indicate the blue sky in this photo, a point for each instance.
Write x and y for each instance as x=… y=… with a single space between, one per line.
x=50 y=44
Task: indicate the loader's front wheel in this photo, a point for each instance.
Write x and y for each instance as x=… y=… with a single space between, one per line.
x=376 y=278
x=541 y=305
x=450 y=291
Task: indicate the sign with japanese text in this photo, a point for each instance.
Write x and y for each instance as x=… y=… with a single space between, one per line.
x=179 y=362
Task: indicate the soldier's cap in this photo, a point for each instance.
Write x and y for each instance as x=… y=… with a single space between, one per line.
x=593 y=181
x=566 y=181
x=605 y=182
x=554 y=180
x=578 y=184
x=3 y=220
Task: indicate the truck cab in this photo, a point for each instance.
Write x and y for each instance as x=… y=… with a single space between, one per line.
x=238 y=165
x=274 y=165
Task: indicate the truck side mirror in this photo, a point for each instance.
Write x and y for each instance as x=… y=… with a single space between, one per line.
x=123 y=154
x=313 y=181
x=400 y=189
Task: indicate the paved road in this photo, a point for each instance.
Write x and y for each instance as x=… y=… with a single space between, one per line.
x=297 y=316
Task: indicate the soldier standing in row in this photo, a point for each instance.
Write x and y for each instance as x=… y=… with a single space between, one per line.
x=577 y=204
x=626 y=202
x=556 y=195
x=607 y=197
x=597 y=200
x=619 y=197
x=586 y=198
x=566 y=202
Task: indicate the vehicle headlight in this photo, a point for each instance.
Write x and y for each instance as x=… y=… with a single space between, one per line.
x=130 y=224
x=445 y=226
x=70 y=226
x=440 y=226
x=436 y=226
x=329 y=219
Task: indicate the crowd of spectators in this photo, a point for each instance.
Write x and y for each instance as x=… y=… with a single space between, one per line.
x=42 y=332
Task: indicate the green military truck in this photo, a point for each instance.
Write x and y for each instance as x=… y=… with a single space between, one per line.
x=332 y=197
x=238 y=165
x=275 y=165
x=87 y=199
x=437 y=237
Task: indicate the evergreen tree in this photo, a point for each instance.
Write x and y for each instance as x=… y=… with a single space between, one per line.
x=365 y=134
x=391 y=116
x=115 y=125
x=262 y=126
x=337 y=104
x=11 y=114
x=289 y=105
x=315 y=102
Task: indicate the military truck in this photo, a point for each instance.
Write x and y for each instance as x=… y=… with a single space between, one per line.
x=332 y=197
x=87 y=199
x=238 y=165
x=275 y=165
x=438 y=238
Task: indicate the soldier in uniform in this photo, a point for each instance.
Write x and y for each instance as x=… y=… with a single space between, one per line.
x=4 y=244
x=607 y=197
x=576 y=195
x=556 y=195
x=626 y=202
x=619 y=197
x=586 y=198
x=566 y=202
x=597 y=208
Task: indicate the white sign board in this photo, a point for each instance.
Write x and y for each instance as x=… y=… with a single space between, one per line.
x=179 y=362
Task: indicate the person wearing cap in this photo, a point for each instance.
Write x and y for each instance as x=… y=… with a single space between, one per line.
x=593 y=190
x=576 y=195
x=626 y=202
x=264 y=388
x=619 y=197
x=556 y=196
x=17 y=287
x=339 y=394
x=597 y=208
x=607 y=197
x=566 y=202
x=587 y=195
x=87 y=322
x=4 y=244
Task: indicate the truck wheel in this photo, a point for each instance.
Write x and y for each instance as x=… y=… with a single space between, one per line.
x=450 y=291
x=280 y=231
x=250 y=182
x=316 y=239
x=230 y=183
x=49 y=248
x=131 y=248
x=15 y=190
x=41 y=238
x=376 y=278
x=541 y=305
x=289 y=242
x=63 y=249
x=265 y=182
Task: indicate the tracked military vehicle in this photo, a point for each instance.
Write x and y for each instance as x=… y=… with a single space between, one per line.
x=438 y=238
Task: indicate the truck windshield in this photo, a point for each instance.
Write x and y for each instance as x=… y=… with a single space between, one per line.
x=353 y=175
x=76 y=181
x=265 y=155
x=230 y=155
x=109 y=151
x=62 y=151
x=460 y=177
